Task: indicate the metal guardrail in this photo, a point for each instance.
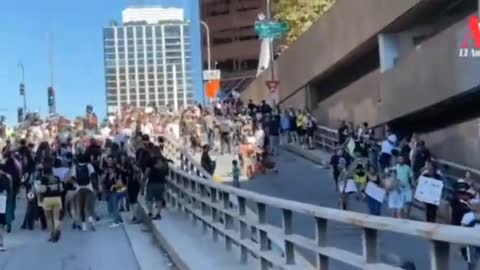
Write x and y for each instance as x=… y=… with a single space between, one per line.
x=327 y=138
x=208 y=203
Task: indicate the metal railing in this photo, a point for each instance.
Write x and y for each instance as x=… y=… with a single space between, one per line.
x=326 y=139
x=191 y=191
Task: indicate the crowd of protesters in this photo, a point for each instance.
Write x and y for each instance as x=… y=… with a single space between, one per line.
x=254 y=132
x=63 y=170
x=395 y=165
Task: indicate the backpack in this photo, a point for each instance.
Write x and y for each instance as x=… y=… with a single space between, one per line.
x=161 y=166
x=82 y=175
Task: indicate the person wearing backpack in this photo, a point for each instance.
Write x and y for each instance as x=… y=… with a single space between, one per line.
x=51 y=190
x=156 y=173
x=82 y=173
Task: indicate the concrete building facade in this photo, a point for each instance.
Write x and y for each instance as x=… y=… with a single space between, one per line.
x=234 y=43
x=410 y=63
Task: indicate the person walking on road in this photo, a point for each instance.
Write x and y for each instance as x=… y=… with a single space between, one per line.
x=156 y=173
x=51 y=190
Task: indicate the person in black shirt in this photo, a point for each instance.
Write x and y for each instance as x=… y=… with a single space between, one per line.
x=206 y=162
x=251 y=108
x=157 y=172
x=28 y=163
x=265 y=108
x=342 y=133
x=420 y=157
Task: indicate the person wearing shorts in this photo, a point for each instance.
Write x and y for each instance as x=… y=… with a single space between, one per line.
x=51 y=190
x=157 y=172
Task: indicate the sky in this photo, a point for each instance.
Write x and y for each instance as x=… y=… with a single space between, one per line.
x=79 y=68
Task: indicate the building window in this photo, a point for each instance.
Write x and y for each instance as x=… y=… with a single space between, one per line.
x=108 y=33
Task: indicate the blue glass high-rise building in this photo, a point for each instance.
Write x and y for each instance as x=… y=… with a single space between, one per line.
x=154 y=57
x=192 y=13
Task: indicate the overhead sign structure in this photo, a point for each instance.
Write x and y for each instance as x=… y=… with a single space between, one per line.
x=270 y=29
x=210 y=75
x=273 y=91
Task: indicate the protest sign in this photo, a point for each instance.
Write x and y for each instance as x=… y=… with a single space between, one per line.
x=429 y=190
x=375 y=192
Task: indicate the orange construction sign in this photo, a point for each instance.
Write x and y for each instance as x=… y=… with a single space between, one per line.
x=212 y=88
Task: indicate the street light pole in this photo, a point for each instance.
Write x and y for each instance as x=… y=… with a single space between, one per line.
x=269 y=17
x=22 y=68
x=209 y=52
x=209 y=55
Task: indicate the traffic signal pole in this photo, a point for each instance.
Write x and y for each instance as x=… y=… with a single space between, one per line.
x=22 y=87
x=269 y=17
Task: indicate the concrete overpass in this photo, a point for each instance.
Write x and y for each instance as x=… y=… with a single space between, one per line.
x=287 y=220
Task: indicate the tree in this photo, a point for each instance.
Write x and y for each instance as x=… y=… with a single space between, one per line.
x=300 y=14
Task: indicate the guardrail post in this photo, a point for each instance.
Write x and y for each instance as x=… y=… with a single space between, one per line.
x=193 y=190
x=203 y=195
x=264 y=243
x=321 y=237
x=214 y=211
x=440 y=255
x=228 y=220
x=287 y=221
x=242 y=211
x=370 y=241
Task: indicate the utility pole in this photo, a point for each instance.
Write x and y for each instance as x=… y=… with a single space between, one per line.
x=269 y=18
x=51 y=89
x=22 y=87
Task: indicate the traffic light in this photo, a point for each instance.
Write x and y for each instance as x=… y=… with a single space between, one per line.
x=51 y=97
x=22 y=89
x=20 y=115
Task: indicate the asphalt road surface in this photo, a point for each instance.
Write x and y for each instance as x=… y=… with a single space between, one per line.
x=107 y=248
x=303 y=181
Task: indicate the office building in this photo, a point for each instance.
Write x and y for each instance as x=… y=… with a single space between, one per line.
x=148 y=59
x=234 y=44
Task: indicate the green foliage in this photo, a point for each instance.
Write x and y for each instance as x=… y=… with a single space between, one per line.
x=300 y=14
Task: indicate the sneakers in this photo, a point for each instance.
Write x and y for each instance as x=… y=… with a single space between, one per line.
x=84 y=226
x=157 y=217
x=92 y=221
x=115 y=225
x=2 y=248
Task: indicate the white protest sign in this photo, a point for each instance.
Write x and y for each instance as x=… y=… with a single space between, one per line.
x=349 y=187
x=61 y=173
x=429 y=190
x=375 y=192
x=3 y=203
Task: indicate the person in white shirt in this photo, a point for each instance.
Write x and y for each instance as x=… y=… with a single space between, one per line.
x=387 y=148
x=260 y=137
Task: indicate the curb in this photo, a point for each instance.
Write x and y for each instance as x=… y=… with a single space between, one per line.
x=306 y=155
x=176 y=259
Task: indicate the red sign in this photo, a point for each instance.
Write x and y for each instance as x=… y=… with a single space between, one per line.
x=272 y=85
x=473 y=34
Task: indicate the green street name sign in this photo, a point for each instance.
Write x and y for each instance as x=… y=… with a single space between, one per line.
x=270 y=29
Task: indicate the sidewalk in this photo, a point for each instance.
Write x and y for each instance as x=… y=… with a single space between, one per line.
x=188 y=246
